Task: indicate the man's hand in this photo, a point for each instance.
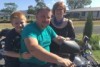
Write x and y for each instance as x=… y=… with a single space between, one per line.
x=67 y=63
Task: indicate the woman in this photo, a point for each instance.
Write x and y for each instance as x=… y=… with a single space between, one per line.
x=61 y=25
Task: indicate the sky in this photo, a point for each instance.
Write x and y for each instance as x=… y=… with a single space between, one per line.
x=23 y=4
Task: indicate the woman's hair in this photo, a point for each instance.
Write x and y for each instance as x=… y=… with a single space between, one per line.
x=58 y=4
x=17 y=15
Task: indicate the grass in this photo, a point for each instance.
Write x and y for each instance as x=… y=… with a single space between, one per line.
x=82 y=23
x=5 y=25
x=75 y=23
x=96 y=54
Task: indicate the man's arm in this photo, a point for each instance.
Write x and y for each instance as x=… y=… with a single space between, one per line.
x=39 y=52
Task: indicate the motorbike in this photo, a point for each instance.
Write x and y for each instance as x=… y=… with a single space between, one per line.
x=2 y=44
x=2 y=61
x=81 y=56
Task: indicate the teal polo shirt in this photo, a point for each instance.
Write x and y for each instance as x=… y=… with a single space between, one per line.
x=44 y=38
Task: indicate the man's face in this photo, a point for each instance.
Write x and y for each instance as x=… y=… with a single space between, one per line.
x=43 y=18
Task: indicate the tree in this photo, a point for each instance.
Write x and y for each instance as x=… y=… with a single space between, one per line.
x=73 y=4
x=31 y=10
x=9 y=8
x=88 y=26
x=40 y=3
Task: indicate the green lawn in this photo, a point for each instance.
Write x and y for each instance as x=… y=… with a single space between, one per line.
x=96 y=54
x=82 y=23
x=76 y=23
x=5 y=25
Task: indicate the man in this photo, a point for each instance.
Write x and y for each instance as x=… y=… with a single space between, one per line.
x=36 y=39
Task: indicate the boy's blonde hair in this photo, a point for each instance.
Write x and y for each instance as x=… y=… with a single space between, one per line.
x=17 y=15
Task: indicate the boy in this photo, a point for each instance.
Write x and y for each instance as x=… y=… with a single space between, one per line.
x=12 y=42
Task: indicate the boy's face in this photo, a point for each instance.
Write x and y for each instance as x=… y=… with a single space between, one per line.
x=18 y=24
x=43 y=18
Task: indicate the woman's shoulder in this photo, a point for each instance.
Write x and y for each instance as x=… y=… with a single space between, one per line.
x=67 y=20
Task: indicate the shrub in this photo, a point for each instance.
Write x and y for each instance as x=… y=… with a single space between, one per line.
x=88 y=26
x=94 y=41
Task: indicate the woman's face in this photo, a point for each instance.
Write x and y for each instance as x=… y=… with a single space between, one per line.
x=18 y=24
x=59 y=12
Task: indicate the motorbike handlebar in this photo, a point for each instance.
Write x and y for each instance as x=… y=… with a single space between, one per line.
x=86 y=38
